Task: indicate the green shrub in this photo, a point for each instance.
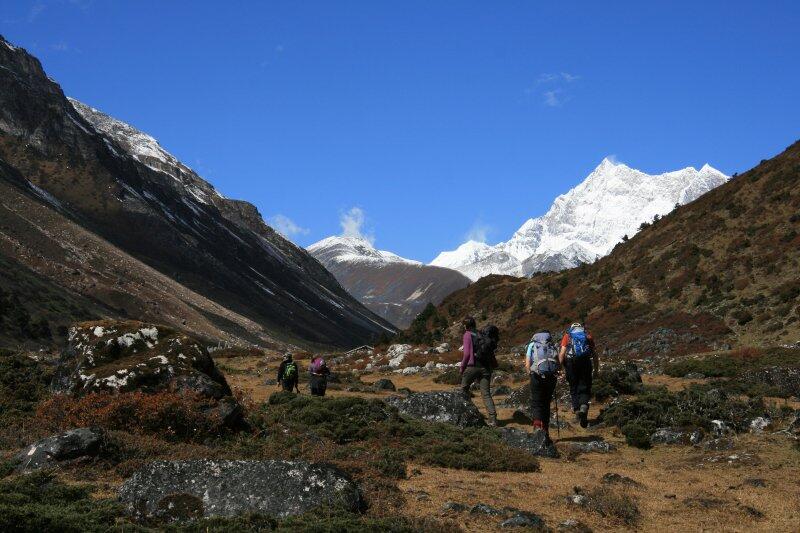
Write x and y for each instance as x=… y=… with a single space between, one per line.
x=391 y=464
x=615 y=380
x=449 y=377
x=614 y=504
x=23 y=382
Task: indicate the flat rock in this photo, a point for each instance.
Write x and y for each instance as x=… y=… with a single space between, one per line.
x=450 y=407
x=72 y=444
x=593 y=446
x=574 y=526
x=675 y=436
x=384 y=384
x=180 y=490
x=524 y=519
x=535 y=443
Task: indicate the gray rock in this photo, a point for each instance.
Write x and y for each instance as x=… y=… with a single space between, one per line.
x=695 y=375
x=612 y=478
x=720 y=428
x=384 y=384
x=669 y=436
x=535 y=443
x=574 y=526
x=454 y=507
x=759 y=424
x=524 y=519
x=180 y=490
x=794 y=425
x=593 y=446
x=719 y=445
x=72 y=444
x=502 y=390
x=520 y=397
x=450 y=407
x=482 y=508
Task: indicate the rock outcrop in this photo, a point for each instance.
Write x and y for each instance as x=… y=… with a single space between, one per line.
x=450 y=407
x=535 y=443
x=181 y=490
x=72 y=444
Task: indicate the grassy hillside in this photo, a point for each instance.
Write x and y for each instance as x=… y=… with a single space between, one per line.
x=723 y=269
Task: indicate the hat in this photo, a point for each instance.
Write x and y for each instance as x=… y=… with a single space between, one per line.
x=287 y=356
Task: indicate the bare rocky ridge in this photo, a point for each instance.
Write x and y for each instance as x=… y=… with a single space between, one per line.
x=395 y=288
x=240 y=279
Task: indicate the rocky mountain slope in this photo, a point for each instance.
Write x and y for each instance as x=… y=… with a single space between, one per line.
x=393 y=287
x=144 y=234
x=586 y=222
x=722 y=269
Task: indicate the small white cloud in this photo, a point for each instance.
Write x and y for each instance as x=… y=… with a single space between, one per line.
x=567 y=77
x=613 y=159
x=553 y=98
x=286 y=226
x=60 y=47
x=352 y=222
x=279 y=49
x=35 y=11
x=479 y=232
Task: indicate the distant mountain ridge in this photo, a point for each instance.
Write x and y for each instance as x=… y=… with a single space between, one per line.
x=100 y=209
x=391 y=286
x=585 y=223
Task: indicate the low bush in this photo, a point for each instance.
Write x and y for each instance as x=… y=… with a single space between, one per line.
x=173 y=416
x=614 y=504
x=615 y=380
x=449 y=377
x=23 y=382
x=736 y=362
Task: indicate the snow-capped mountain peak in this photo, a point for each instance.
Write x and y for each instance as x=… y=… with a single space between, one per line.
x=349 y=249
x=586 y=222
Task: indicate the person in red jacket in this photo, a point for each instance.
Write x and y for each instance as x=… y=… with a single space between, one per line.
x=577 y=355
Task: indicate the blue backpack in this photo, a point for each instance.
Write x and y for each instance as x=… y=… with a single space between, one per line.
x=579 y=342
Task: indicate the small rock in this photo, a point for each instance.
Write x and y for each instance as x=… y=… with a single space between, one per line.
x=574 y=526
x=721 y=444
x=384 y=384
x=270 y=381
x=695 y=375
x=755 y=482
x=443 y=348
x=752 y=511
x=613 y=478
x=719 y=428
x=759 y=424
x=524 y=519
x=482 y=508
x=397 y=353
x=454 y=507
x=502 y=390
x=669 y=436
x=581 y=500
x=72 y=444
x=535 y=443
x=593 y=446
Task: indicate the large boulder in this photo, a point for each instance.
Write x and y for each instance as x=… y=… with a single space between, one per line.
x=535 y=443
x=72 y=444
x=520 y=397
x=127 y=355
x=397 y=353
x=450 y=407
x=181 y=490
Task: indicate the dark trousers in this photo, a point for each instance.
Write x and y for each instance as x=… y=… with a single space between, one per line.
x=289 y=384
x=542 y=388
x=484 y=376
x=579 y=377
x=318 y=384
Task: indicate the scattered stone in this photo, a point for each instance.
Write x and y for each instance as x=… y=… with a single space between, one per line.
x=520 y=397
x=759 y=424
x=669 y=436
x=397 y=353
x=482 y=508
x=384 y=384
x=270 y=381
x=72 y=444
x=593 y=446
x=752 y=511
x=613 y=478
x=794 y=425
x=442 y=348
x=755 y=482
x=572 y=525
x=720 y=444
x=450 y=407
x=454 y=507
x=535 y=443
x=695 y=375
x=180 y=490
x=404 y=390
x=786 y=379
x=524 y=519
x=702 y=502
x=580 y=500
x=720 y=428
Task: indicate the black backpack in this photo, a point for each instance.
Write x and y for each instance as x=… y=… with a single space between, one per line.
x=484 y=344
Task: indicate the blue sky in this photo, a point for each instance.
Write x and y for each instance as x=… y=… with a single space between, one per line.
x=435 y=119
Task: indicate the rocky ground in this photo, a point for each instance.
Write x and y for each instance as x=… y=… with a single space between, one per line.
x=194 y=443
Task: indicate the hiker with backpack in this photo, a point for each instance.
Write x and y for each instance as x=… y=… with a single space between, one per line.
x=319 y=372
x=288 y=374
x=541 y=363
x=579 y=357
x=479 y=361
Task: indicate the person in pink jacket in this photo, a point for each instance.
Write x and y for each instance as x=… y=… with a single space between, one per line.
x=472 y=370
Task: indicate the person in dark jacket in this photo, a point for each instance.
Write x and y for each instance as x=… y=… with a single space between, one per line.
x=579 y=358
x=319 y=376
x=472 y=370
x=541 y=364
x=288 y=374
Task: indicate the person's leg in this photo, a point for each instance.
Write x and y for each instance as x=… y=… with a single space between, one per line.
x=548 y=386
x=486 y=392
x=536 y=401
x=572 y=379
x=467 y=378
x=584 y=390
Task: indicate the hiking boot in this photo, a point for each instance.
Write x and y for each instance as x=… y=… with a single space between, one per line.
x=583 y=416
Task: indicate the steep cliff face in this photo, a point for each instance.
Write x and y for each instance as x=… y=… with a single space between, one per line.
x=395 y=288
x=119 y=184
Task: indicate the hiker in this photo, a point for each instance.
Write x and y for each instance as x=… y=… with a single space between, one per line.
x=576 y=356
x=541 y=363
x=288 y=375
x=319 y=376
x=479 y=361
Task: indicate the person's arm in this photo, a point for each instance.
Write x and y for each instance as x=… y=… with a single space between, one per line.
x=467 y=350
x=281 y=370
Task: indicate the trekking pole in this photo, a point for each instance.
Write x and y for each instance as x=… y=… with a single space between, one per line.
x=555 y=393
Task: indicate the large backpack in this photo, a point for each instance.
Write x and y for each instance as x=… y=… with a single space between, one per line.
x=290 y=371
x=542 y=354
x=484 y=344
x=579 y=343
x=318 y=365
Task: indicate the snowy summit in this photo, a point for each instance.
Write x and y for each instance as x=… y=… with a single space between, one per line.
x=585 y=223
